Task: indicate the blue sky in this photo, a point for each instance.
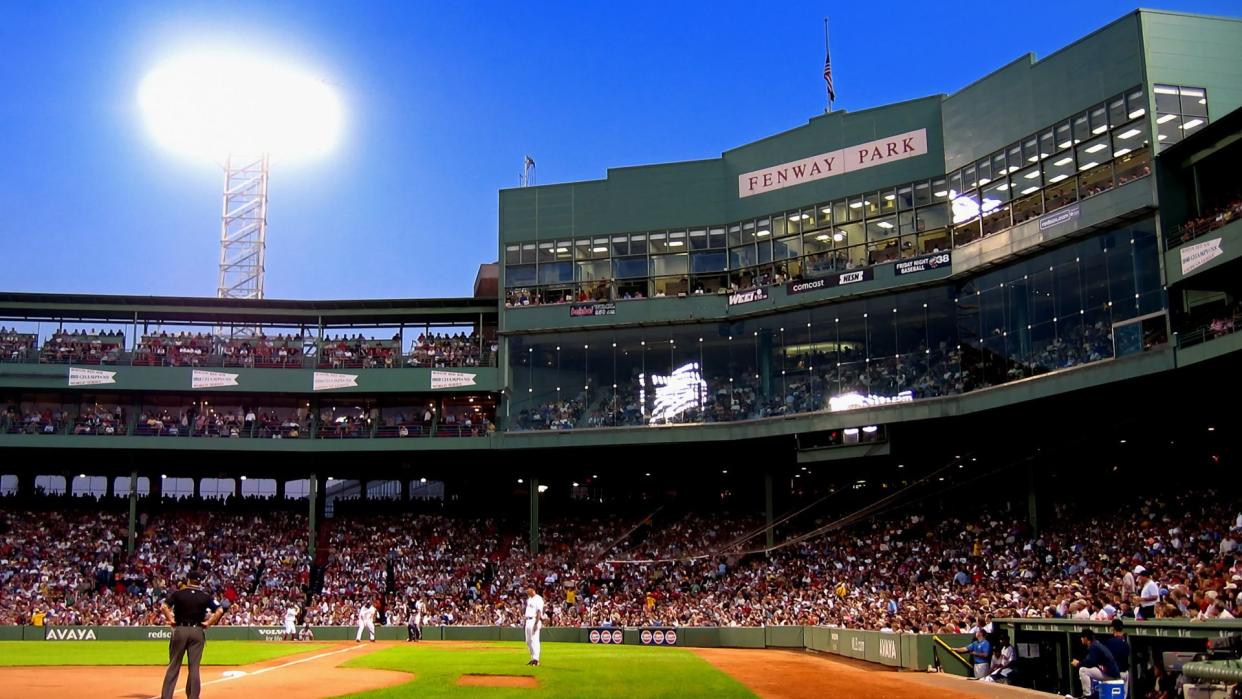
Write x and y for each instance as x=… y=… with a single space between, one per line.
x=442 y=102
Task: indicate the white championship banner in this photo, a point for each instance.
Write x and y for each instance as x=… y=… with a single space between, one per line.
x=211 y=379
x=837 y=162
x=1199 y=254
x=90 y=377
x=451 y=379
x=326 y=381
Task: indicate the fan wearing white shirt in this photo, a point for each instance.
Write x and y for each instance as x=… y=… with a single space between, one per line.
x=534 y=622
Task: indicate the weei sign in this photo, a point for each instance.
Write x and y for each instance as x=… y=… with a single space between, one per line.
x=738 y=298
x=837 y=162
x=834 y=279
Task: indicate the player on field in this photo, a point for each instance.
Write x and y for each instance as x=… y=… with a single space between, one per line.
x=291 y=623
x=366 y=620
x=534 y=622
x=414 y=625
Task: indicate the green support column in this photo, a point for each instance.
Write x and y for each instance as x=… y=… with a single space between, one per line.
x=1032 y=501
x=133 y=511
x=770 y=537
x=312 y=497
x=534 y=516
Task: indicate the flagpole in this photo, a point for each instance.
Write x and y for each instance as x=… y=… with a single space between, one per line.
x=827 y=53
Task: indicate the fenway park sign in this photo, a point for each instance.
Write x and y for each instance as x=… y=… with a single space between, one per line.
x=837 y=162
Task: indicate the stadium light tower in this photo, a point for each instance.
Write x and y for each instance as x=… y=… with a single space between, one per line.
x=240 y=111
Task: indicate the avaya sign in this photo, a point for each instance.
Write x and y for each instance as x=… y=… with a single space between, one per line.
x=837 y=162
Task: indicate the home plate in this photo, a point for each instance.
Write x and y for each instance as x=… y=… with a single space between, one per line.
x=232 y=674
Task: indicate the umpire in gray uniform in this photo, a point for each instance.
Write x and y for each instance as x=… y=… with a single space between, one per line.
x=186 y=611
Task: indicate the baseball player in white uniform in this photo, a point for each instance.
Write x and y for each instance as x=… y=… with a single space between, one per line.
x=534 y=622
x=366 y=620
x=291 y=623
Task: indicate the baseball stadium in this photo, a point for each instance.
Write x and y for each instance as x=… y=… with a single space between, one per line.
x=930 y=399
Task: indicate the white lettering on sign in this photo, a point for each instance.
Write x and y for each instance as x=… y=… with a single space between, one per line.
x=211 y=379
x=851 y=401
x=326 y=381
x=451 y=379
x=858 y=644
x=90 y=377
x=1199 y=254
x=70 y=634
x=848 y=159
x=888 y=648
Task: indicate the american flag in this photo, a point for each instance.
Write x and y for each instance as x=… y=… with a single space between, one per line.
x=832 y=92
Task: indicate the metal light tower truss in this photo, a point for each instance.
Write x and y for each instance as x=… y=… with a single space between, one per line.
x=243 y=228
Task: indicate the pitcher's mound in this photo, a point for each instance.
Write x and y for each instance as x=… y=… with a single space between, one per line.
x=519 y=681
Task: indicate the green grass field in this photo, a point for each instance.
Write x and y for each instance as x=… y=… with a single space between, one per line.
x=26 y=653
x=567 y=670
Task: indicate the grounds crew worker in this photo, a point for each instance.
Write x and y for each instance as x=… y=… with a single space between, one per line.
x=186 y=612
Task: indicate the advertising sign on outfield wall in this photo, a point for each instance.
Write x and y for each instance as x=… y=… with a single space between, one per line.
x=606 y=636
x=837 y=162
x=658 y=637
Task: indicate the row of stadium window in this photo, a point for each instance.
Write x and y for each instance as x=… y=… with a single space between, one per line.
x=278 y=351
x=1091 y=300
x=1101 y=148
x=918 y=569
x=268 y=418
x=242 y=491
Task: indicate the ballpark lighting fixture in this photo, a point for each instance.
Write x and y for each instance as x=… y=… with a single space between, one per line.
x=1032 y=174
x=822 y=237
x=1129 y=134
x=838 y=236
x=1003 y=186
x=890 y=197
x=422 y=480
x=1119 y=153
x=1097 y=148
x=575 y=484
x=1166 y=118
x=1028 y=190
x=761 y=233
x=1058 y=178
x=851 y=431
x=856 y=205
x=1192 y=123
x=884 y=224
x=543 y=489
x=221 y=102
x=942 y=193
x=1100 y=129
x=1088 y=166
x=869 y=429
x=675 y=243
x=599 y=249
x=983 y=181
x=1162 y=90
x=243 y=478
x=1063 y=161
x=1137 y=113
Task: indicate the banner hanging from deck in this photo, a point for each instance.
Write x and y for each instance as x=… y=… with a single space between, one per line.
x=451 y=379
x=90 y=377
x=326 y=381
x=212 y=379
x=832 y=163
x=1199 y=254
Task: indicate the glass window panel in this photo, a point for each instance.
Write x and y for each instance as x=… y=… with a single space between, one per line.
x=1117 y=113
x=888 y=202
x=1082 y=128
x=1168 y=100
x=995 y=220
x=965 y=207
x=940 y=189
x=513 y=254
x=593 y=270
x=929 y=218
x=582 y=249
x=748 y=232
x=985 y=171
x=871 y=206
x=1194 y=101
x=735 y=235
x=999 y=166
x=1028 y=207
x=1129 y=137
x=994 y=195
x=698 y=240
x=556 y=272
x=702 y=262
x=1014 y=157
x=965 y=232
x=519 y=275
x=1092 y=153
x=970 y=178
x=677 y=241
x=782 y=225
x=1030 y=150
x=764 y=247
x=1099 y=120
x=564 y=251
x=824 y=215
x=1136 y=103
x=638 y=244
x=657 y=243
x=1065 y=135
x=905 y=222
x=528 y=253
x=763 y=231
x=1047 y=144
x=742 y=256
x=547 y=252
x=848 y=235
x=1058 y=169
x=955 y=183
x=1096 y=180
x=905 y=197
x=667 y=265
x=933 y=241
x=1133 y=165
x=855 y=212
x=817 y=242
x=787 y=248
x=1168 y=129
x=620 y=245
x=840 y=211
x=1028 y=180
x=629 y=267
x=1063 y=193
x=1191 y=124
x=716 y=238
x=922 y=193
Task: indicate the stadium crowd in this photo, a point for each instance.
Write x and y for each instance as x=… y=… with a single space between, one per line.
x=914 y=571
